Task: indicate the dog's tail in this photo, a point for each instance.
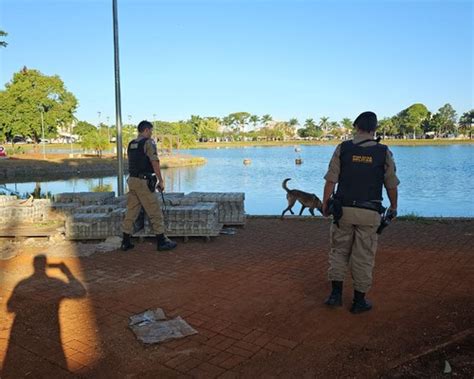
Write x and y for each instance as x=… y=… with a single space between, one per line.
x=284 y=184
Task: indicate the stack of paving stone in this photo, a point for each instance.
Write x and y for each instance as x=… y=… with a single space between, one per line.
x=13 y=210
x=197 y=220
x=99 y=215
x=68 y=203
x=193 y=219
x=89 y=215
x=230 y=205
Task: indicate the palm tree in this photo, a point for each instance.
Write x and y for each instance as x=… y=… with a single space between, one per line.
x=309 y=122
x=254 y=119
x=3 y=34
x=385 y=125
x=293 y=122
x=324 y=124
x=266 y=118
x=346 y=123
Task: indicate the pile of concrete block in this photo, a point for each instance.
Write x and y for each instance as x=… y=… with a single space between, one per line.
x=94 y=225
x=99 y=215
x=198 y=220
x=69 y=203
x=84 y=198
x=16 y=211
x=230 y=205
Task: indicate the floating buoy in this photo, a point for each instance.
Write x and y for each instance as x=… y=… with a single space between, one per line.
x=298 y=161
x=247 y=161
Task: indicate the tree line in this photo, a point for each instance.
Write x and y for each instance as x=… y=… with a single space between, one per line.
x=34 y=104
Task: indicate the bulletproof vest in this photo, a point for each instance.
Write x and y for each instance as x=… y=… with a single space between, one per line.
x=362 y=172
x=138 y=161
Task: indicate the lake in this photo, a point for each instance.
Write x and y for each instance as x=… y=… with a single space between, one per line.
x=435 y=180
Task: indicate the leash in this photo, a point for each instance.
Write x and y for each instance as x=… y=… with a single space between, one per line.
x=164 y=209
x=164 y=203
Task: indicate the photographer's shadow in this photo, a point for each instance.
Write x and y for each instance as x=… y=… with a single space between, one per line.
x=36 y=329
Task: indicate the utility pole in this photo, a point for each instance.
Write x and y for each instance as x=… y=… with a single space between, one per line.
x=118 y=106
x=42 y=131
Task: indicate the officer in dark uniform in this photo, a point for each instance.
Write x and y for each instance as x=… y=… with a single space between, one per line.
x=144 y=169
x=361 y=168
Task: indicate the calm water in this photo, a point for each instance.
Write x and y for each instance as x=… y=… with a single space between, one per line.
x=435 y=180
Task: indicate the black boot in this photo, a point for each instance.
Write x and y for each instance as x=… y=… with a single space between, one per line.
x=360 y=304
x=126 y=243
x=335 y=298
x=164 y=243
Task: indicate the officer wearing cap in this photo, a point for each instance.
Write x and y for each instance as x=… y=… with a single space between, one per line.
x=143 y=164
x=361 y=168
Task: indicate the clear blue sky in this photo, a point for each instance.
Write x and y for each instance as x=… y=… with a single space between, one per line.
x=287 y=58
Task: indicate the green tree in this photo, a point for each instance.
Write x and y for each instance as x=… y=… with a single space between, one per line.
x=466 y=123
x=227 y=122
x=95 y=140
x=324 y=124
x=346 y=123
x=240 y=119
x=3 y=34
x=309 y=123
x=310 y=129
x=31 y=96
x=196 y=122
x=447 y=119
x=82 y=128
x=293 y=122
x=4 y=119
x=254 y=119
x=386 y=126
x=266 y=118
x=412 y=118
x=205 y=128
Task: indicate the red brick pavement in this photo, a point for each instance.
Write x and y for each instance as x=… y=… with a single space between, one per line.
x=256 y=300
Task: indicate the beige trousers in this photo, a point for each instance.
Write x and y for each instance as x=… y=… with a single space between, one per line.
x=353 y=246
x=140 y=196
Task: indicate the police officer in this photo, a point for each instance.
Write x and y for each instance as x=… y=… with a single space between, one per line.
x=143 y=163
x=360 y=167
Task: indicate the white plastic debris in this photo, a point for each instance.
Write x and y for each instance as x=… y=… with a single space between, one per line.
x=447 y=368
x=151 y=327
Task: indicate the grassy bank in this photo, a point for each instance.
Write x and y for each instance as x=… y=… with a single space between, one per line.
x=390 y=142
x=31 y=167
x=26 y=149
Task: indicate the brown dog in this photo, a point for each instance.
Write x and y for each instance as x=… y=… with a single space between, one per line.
x=307 y=200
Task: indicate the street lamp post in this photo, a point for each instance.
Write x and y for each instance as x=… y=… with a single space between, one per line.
x=108 y=129
x=118 y=107
x=70 y=138
x=42 y=131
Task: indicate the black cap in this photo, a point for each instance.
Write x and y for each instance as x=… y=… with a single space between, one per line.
x=366 y=121
x=144 y=125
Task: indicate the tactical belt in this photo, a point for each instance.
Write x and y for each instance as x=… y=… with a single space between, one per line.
x=141 y=176
x=370 y=205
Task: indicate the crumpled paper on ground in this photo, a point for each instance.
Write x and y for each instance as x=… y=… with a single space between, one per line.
x=151 y=326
